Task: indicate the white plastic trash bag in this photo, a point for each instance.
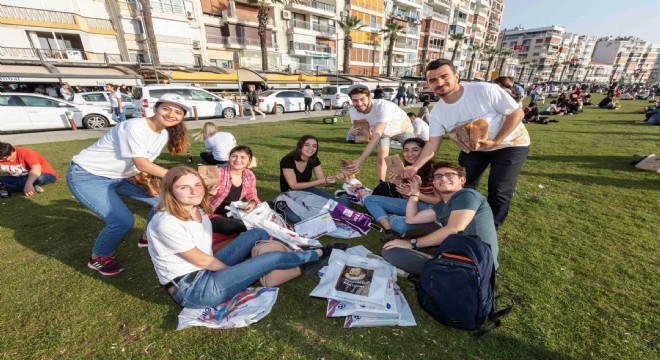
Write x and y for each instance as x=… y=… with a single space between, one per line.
x=405 y=317
x=341 y=308
x=355 y=279
x=247 y=307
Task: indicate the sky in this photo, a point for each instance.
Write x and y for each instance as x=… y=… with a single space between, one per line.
x=640 y=18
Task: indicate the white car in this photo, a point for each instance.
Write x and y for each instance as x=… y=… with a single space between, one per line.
x=280 y=101
x=337 y=95
x=25 y=112
x=206 y=103
x=100 y=98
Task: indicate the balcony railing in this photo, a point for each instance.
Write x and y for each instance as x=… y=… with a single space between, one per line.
x=67 y=55
x=300 y=24
x=323 y=6
x=443 y=2
x=234 y=40
x=36 y=14
x=311 y=47
x=412 y=31
x=405 y=46
x=408 y=15
x=103 y=24
x=312 y=67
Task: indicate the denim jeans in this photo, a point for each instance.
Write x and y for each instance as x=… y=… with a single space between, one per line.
x=408 y=260
x=16 y=184
x=101 y=195
x=118 y=116
x=505 y=165
x=210 y=288
x=292 y=217
x=398 y=223
x=379 y=206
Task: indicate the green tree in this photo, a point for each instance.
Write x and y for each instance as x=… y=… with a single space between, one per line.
x=576 y=67
x=475 y=49
x=348 y=24
x=590 y=68
x=524 y=64
x=458 y=41
x=492 y=53
x=392 y=31
x=504 y=54
x=565 y=65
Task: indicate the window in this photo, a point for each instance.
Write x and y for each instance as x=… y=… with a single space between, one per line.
x=201 y=95
x=94 y=97
x=168 y=6
x=157 y=93
x=39 y=101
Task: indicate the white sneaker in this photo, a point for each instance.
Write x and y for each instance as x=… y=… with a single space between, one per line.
x=253 y=118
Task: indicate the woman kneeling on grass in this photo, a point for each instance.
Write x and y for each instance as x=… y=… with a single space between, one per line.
x=180 y=247
x=98 y=176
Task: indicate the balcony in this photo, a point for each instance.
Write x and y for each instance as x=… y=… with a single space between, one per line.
x=314 y=50
x=313 y=6
x=406 y=15
x=14 y=12
x=312 y=67
x=414 y=2
x=398 y=45
x=68 y=55
x=412 y=31
x=234 y=41
x=306 y=25
x=443 y=2
x=483 y=12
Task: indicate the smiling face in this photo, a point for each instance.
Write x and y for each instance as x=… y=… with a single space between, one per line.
x=309 y=148
x=239 y=160
x=443 y=81
x=447 y=181
x=411 y=152
x=362 y=102
x=189 y=190
x=168 y=114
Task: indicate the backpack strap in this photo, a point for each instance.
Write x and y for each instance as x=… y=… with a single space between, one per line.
x=494 y=321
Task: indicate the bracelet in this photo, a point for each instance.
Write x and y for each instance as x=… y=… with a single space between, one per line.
x=414 y=195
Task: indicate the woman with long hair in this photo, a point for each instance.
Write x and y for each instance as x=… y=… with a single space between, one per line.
x=217 y=144
x=296 y=170
x=253 y=100
x=180 y=247
x=380 y=206
x=308 y=95
x=235 y=183
x=98 y=175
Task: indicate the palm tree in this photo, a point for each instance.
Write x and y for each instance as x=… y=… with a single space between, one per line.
x=458 y=41
x=503 y=55
x=392 y=31
x=492 y=53
x=524 y=64
x=554 y=69
x=586 y=74
x=575 y=69
x=563 y=70
x=614 y=68
x=149 y=28
x=475 y=49
x=348 y=24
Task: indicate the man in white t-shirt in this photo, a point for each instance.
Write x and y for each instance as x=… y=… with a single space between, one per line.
x=386 y=120
x=508 y=142
x=116 y=103
x=420 y=128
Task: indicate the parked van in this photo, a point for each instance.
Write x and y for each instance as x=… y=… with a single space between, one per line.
x=338 y=95
x=207 y=104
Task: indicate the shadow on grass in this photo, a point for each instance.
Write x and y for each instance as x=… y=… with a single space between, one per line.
x=590 y=162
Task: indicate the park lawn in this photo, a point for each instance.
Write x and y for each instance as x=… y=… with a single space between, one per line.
x=578 y=254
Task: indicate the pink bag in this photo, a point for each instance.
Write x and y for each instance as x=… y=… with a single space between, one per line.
x=275 y=277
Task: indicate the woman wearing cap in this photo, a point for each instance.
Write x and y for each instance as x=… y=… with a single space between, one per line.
x=98 y=175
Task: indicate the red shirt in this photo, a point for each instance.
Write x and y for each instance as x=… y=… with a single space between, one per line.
x=25 y=160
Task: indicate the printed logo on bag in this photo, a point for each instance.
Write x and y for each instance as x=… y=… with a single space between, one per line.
x=355 y=280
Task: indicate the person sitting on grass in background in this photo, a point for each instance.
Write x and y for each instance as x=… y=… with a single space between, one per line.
x=607 y=103
x=235 y=183
x=218 y=144
x=423 y=112
x=459 y=209
x=379 y=206
x=574 y=105
x=531 y=113
x=27 y=170
x=296 y=170
x=180 y=237
x=420 y=128
x=552 y=109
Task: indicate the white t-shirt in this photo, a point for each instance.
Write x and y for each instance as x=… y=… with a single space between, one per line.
x=549 y=108
x=479 y=100
x=382 y=111
x=422 y=128
x=114 y=98
x=112 y=155
x=169 y=236
x=308 y=93
x=220 y=144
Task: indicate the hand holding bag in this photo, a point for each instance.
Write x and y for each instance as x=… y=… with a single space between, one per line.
x=147 y=182
x=275 y=277
x=467 y=136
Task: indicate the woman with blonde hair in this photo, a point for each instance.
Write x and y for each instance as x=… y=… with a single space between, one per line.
x=180 y=247
x=218 y=144
x=253 y=100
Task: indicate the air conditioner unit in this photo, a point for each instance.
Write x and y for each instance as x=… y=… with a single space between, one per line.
x=196 y=44
x=189 y=14
x=286 y=14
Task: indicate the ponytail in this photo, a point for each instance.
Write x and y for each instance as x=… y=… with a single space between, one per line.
x=177 y=141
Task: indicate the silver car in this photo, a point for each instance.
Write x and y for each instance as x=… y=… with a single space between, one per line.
x=101 y=98
x=280 y=101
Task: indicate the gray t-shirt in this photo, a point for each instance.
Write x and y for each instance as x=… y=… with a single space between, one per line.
x=481 y=225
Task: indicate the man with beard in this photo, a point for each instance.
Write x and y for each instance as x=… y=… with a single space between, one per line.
x=458 y=210
x=386 y=120
x=507 y=144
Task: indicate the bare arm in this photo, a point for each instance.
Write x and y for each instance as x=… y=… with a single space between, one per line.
x=510 y=122
x=144 y=165
x=375 y=138
x=202 y=260
x=458 y=221
x=290 y=177
x=35 y=172
x=427 y=154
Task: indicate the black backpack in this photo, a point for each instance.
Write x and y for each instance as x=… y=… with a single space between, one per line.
x=457 y=285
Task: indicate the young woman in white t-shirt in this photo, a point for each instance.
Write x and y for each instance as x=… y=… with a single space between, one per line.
x=218 y=144
x=98 y=176
x=180 y=247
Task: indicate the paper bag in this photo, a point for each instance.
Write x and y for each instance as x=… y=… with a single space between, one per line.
x=209 y=174
x=343 y=167
x=364 y=132
x=394 y=168
x=467 y=136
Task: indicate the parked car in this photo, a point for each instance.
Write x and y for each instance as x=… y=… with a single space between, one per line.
x=427 y=94
x=25 y=112
x=207 y=104
x=337 y=95
x=280 y=101
x=100 y=98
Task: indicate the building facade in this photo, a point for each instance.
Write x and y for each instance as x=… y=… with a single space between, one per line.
x=632 y=59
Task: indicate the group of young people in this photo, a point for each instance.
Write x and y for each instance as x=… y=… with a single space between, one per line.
x=186 y=214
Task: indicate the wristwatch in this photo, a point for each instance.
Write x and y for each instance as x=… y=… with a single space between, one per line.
x=413 y=242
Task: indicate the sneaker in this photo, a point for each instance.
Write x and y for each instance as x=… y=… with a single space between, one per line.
x=142 y=242
x=38 y=189
x=106 y=265
x=389 y=236
x=313 y=267
x=340 y=192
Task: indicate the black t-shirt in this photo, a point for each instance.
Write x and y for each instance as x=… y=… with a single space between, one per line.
x=288 y=162
x=234 y=195
x=606 y=101
x=532 y=113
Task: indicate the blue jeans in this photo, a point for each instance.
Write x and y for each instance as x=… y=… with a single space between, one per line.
x=118 y=116
x=15 y=184
x=505 y=165
x=292 y=217
x=210 y=288
x=398 y=223
x=379 y=206
x=101 y=195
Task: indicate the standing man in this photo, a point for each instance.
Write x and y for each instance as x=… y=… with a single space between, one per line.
x=385 y=119
x=26 y=168
x=116 y=103
x=400 y=94
x=378 y=93
x=66 y=92
x=507 y=145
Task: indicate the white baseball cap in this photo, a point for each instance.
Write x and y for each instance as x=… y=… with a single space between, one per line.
x=357 y=86
x=175 y=99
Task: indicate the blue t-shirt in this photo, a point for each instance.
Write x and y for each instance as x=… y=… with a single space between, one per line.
x=481 y=225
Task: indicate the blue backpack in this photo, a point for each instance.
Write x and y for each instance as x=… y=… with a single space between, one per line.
x=457 y=285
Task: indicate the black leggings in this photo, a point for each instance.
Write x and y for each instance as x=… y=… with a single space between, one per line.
x=308 y=104
x=209 y=159
x=227 y=226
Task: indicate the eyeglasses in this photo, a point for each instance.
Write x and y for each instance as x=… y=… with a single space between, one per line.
x=447 y=176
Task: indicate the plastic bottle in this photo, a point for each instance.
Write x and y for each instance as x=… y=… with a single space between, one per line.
x=4 y=192
x=190 y=159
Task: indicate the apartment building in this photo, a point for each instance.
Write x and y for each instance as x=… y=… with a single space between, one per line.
x=632 y=59
x=408 y=14
x=541 y=48
x=366 y=55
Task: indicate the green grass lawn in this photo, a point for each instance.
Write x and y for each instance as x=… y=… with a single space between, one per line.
x=578 y=254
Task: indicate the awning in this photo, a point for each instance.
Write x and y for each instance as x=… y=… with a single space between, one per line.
x=203 y=78
x=83 y=76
